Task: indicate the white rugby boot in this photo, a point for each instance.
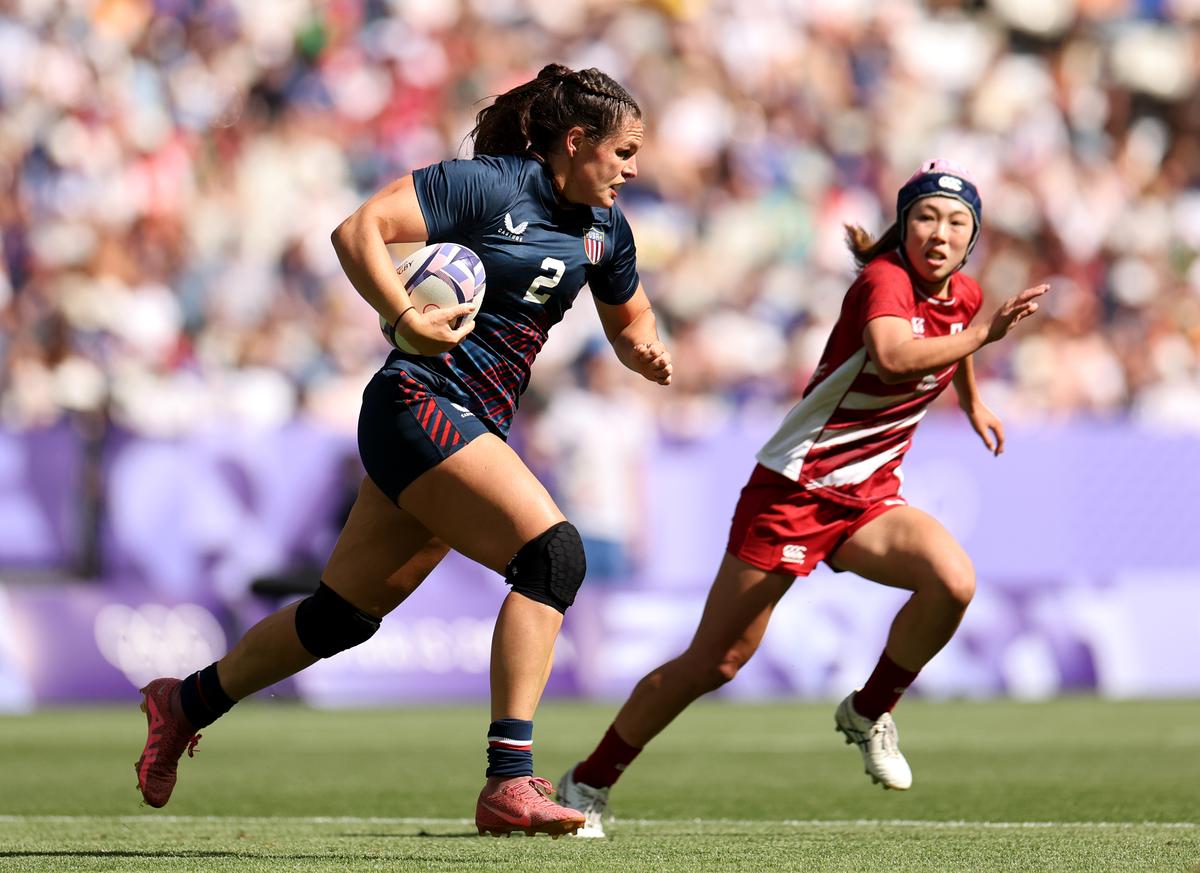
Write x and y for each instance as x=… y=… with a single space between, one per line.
x=592 y=802
x=879 y=743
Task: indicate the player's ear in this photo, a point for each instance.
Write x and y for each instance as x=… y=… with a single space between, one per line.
x=574 y=140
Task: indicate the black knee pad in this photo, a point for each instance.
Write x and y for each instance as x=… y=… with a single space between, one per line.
x=550 y=568
x=327 y=623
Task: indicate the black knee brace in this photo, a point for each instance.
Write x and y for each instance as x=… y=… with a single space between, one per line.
x=550 y=567
x=327 y=623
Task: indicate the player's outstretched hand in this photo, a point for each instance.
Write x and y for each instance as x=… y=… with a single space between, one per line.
x=432 y=332
x=1014 y=310
x=987 y=424
x=653 y=361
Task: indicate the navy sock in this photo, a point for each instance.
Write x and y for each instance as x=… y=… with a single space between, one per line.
x=202 y=698
x=510 y=748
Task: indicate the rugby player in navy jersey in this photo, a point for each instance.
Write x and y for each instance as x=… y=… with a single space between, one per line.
x=538 y=205
x=827 y=487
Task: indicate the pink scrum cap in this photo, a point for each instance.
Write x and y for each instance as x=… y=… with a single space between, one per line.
x=941 y=165
x=941 y=178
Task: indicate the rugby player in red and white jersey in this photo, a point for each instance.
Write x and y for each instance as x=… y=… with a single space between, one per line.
x=827 y=486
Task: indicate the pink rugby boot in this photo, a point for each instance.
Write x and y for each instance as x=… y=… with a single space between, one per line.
x=522 y=803
x=167 y=738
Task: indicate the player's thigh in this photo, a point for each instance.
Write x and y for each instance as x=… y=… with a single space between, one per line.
x=738 y=609
x=905 y=548
x=382 y=554
x=482 y=501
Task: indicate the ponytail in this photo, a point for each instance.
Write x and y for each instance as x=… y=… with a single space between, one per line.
x=529 y=119
x=866 y=249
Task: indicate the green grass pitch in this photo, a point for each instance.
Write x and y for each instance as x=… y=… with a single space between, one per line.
x=1068 y=785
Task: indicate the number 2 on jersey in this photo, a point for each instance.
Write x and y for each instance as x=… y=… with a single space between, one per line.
x=555 y=266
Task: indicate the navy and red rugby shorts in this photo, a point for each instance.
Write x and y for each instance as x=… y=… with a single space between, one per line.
x=412 y=420
x=781 y=527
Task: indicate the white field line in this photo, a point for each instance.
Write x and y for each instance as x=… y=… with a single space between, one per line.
x=634 y=822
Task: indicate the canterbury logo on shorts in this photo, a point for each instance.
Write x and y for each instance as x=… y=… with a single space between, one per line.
x=793 y=554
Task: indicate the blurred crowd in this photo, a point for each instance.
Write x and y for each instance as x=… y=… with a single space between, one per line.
x=170 y=171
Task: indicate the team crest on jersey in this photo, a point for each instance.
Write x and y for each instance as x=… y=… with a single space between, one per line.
x=593 y=244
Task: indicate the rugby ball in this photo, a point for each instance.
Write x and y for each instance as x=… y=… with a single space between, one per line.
x=435 y=277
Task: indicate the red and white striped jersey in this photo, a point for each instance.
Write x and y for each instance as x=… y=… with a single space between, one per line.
x=846 y=437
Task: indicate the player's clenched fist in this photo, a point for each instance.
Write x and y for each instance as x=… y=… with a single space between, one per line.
x=653 y=361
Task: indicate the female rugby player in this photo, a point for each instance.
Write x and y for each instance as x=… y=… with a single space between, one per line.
x=538 y=205
x=827 y=486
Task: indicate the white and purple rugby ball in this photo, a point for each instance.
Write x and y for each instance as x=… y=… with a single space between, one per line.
x=437 y=276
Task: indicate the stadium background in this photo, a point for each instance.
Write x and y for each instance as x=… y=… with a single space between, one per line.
x=182 y=357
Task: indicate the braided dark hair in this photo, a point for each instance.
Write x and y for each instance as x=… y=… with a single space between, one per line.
x=529 y=119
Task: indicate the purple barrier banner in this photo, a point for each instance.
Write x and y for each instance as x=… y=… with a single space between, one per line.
x=1087 y=499
x=84 y=643
x=437 y=646
x=1135 y=636
x=40 y=492
x=71 y=643
x=1083 y=539
x=209 y=513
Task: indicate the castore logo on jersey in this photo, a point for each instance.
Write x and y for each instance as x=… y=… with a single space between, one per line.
x=514 y=232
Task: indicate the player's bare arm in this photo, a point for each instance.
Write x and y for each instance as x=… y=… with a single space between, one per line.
x=393 y=214
x=632 y=330
x=985 y=422
x=900 y=357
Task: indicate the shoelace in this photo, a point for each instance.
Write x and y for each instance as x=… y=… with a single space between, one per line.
x=542 y=786
x=192 y=742
x=891 y=743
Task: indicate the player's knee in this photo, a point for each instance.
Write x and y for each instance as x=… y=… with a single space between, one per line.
x=727 y=668
x=550 y=567
x=956 y=579
x=327 y=623
x=712 y=670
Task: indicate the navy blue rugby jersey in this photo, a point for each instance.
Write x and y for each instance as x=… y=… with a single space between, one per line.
x=538 y=253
